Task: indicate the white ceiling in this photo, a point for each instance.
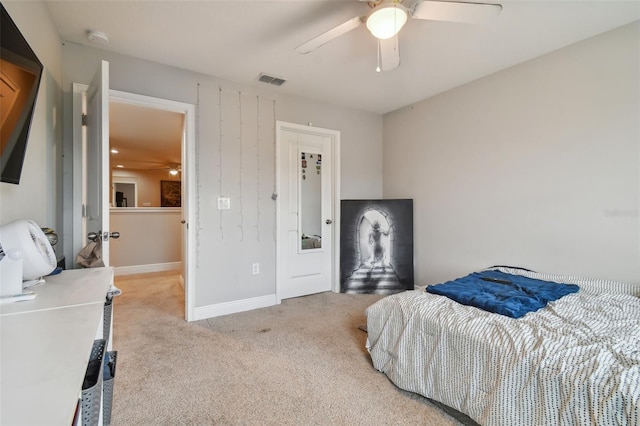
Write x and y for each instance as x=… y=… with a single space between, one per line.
x=145 y=138
x=237 y=40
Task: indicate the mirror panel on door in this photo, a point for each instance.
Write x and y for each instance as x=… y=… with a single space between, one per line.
x=310 y=184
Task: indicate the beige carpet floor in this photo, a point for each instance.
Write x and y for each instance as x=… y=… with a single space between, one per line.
x=299 y=363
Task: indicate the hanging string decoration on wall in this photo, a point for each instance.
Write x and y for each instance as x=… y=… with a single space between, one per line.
x=258 y=171
x=274 y=195
x=237 y=146
x=220 y=121
x=238 y=140
x=197 y=171
x=241 y=168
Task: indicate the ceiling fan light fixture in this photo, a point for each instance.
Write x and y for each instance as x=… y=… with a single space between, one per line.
x=173 y=172
x=386 y=20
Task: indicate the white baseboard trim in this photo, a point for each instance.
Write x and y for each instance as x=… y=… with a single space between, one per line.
x=219 y=309
x=143 y=269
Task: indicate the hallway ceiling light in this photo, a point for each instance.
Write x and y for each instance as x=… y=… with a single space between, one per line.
x=173 y=172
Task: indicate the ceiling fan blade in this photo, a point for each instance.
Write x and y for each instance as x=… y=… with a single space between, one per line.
x=326 y=37
x=389 y=54
x=453 y=11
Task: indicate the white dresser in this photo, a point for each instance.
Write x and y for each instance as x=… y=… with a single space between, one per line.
x=45 y=346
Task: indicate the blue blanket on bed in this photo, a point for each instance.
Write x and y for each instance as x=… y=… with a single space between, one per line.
x=505 y=294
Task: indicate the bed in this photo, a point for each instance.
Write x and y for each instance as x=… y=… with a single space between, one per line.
x=575 y=361
x=311 y=241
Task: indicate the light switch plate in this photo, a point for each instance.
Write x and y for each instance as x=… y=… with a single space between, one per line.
x=224 y=203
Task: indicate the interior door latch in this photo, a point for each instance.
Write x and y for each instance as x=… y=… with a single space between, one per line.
x=93 y=236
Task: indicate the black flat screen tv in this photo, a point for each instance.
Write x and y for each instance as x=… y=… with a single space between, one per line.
x=20 y=73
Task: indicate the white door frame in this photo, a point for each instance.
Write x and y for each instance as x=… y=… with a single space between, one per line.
x=188 y=177
x=335 y=208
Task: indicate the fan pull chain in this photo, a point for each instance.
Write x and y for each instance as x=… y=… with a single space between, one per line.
x=379 y=53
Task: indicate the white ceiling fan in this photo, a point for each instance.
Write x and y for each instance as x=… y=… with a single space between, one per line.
x=173 y=169
x=387 y=17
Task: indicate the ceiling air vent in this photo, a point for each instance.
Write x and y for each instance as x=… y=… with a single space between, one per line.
x=271 y=80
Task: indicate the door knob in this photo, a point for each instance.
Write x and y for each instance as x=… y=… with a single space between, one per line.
x=94 y=236
x=328 y=222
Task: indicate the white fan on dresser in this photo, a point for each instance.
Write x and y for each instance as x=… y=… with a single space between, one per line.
x=387 y=17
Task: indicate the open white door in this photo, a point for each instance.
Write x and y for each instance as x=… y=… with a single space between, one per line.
x=97 y=128
x=85 y=175
x=306 y=210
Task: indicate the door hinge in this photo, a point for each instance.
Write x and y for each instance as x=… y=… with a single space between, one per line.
x=84 y=210
x=84 y=119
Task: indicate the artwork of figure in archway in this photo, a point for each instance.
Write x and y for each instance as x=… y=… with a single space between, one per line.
x=374 y=231
x=376 y=247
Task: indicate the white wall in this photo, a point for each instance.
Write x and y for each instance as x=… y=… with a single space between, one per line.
x=536 y=166
x=147 y=182
x=236 y=161
x=36 y=197
x=147 y=236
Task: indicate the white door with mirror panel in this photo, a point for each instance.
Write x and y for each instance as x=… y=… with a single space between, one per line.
x=306 y=209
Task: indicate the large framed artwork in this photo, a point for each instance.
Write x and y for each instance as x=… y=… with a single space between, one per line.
x=170 y=193
x=376 y=246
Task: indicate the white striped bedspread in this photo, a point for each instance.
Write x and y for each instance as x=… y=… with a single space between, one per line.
x=575 y=362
